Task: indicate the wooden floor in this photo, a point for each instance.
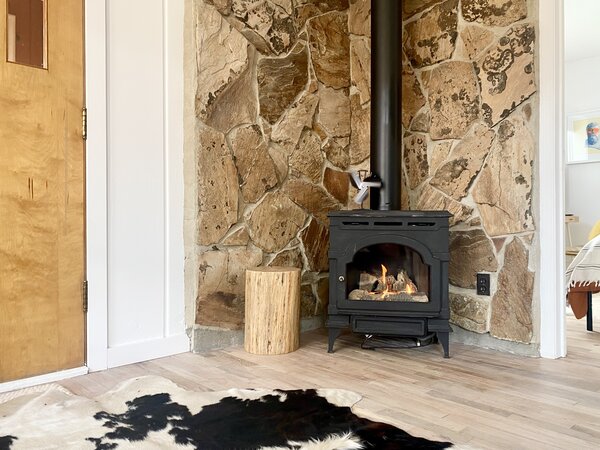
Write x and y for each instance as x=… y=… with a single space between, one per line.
x=478 y=398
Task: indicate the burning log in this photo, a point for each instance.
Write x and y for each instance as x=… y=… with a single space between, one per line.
x=398 y=288
x=361 y=294
x=367 y=281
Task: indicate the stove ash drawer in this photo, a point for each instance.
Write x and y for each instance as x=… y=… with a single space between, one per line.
x=389 y=326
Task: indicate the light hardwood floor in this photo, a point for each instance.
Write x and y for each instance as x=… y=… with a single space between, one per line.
x=478 y=398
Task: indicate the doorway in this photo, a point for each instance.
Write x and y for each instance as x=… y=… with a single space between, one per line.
x=42 y=187
x=582 y=111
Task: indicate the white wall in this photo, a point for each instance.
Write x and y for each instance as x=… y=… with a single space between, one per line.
x=582 y=93
x=145 y=180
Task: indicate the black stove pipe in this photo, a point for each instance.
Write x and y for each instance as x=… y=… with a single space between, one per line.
x=386 y=108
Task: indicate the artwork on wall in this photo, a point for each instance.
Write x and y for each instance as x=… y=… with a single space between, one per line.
x=583 y=136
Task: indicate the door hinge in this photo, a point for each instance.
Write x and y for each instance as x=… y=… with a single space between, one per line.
x=84 y=123
x=84 y=296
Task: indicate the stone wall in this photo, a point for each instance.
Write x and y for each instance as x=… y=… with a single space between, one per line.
x=470 y=112
x=273 y=139
x=282 y=111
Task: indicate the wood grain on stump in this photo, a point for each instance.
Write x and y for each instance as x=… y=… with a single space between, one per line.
x=272 y=310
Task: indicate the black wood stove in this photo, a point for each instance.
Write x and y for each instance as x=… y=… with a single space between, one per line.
x=388 y=268
x=389 y=274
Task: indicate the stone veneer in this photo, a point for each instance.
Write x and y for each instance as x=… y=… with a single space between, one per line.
x=470 y=112
x=273 y=139
x=281 y=111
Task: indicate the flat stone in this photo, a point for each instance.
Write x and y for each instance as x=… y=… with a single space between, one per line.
x=334 y=111
x=412 y=95
x=280 y=80
x=275 y=222
x=315 y=239
x=496 y=13
x=237 y=102
x=470 y=252
x=439 y=153
x=432 y=38
x=337 y=154
x=280 y=158
x=412 y=7
x=511 y=306
x=308 y=301
x=415 y=159
x=237 y=237
x=307 y=9
x=360 y=68
x=286 y=132
x=223 y=62
x=433 y=200
x=337 y=184
x=288 y=258
x=360 y=138
x=499 y=243
x=223 y=6
x=312 y=198
x=307 y=159
x=286 y=5
x=507 y=74
x=404 y=194
x=469 y=312
x=527 y=111
x=266 y=24
x=464 y=163
x=503 y=190
x=475 y=40
x=217 y=187
x=528 y=238
x=421 y=121
x=256 y=169
x=359 y=17
x=221 y=286
x=330 y=48
x=453 y=94
x=475 y=222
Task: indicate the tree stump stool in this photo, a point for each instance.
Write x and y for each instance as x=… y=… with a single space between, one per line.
x=272 y=310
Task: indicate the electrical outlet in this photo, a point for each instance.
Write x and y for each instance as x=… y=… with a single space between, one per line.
x=483 y=283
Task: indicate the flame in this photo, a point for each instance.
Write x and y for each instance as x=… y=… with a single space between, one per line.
x=409 y=289
x=385 y=292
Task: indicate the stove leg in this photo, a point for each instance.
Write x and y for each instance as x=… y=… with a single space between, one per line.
x=444 y=339
x=333 y=335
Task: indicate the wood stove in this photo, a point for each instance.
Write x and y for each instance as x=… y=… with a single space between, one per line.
x=389 y=274
x=388 y=268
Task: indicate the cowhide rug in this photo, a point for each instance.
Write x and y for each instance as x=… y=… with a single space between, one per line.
x=154 y=413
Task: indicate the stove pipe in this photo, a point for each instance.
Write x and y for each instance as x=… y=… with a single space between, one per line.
x=386 y=108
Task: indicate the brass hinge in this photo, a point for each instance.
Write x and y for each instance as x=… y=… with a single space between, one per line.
x=84 y=123
x=84 y=296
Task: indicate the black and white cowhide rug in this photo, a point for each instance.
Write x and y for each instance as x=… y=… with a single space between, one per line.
x=154 y=413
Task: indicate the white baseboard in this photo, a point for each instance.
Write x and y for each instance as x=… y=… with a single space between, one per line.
x=147 y=350
x=42 y=379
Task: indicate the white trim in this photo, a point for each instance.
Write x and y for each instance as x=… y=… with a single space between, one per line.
x=100 y=356
x=42 y=379
x=174 y=115
x=147 y=350
x=96 y=184
x=551 y=175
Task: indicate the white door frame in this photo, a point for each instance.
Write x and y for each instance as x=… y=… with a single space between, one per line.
x=96 y=184
x=98 y=355
x=551 y=139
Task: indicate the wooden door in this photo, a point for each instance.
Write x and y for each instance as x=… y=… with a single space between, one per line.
x=42 y=193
